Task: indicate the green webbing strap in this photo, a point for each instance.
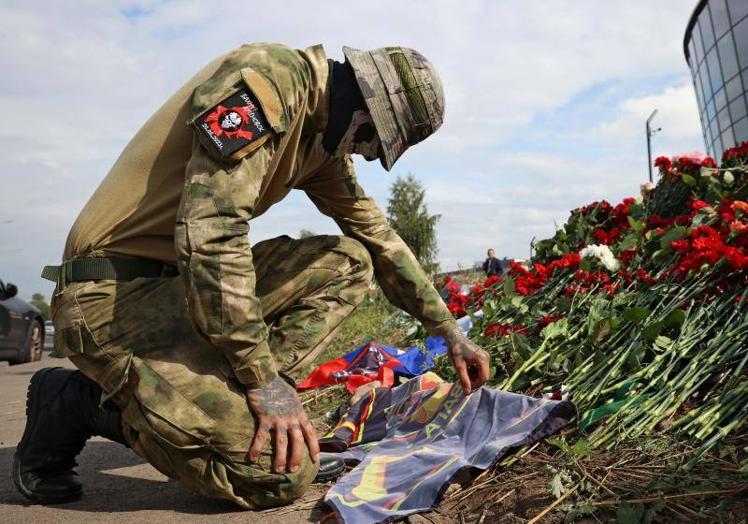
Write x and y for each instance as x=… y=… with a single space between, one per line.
x=83 y=269
x=51 y=273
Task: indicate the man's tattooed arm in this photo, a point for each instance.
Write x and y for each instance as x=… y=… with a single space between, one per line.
x=469 y=360
x=279 y=411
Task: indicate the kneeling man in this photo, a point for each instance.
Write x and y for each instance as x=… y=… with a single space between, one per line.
x=187 y=339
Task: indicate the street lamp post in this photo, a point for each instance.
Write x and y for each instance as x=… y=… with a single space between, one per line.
x=650 y=134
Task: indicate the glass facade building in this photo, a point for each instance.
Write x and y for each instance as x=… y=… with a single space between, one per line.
x=716 y=47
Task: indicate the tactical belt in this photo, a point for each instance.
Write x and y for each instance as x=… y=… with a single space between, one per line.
x=83 y=269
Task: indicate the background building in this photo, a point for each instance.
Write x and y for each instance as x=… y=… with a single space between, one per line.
x=716 y=47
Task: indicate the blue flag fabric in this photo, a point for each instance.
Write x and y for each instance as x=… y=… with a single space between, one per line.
x=430 y=432
x=415 y=361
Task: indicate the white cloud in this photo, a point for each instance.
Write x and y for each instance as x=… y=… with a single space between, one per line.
x=677 y=115
x=532 y=201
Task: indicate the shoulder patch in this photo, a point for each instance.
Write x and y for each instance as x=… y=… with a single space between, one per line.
x=235 y=126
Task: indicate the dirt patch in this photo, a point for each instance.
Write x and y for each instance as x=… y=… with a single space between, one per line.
x=598 y=487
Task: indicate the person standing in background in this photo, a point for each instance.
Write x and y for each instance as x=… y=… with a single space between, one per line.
x=492 y=266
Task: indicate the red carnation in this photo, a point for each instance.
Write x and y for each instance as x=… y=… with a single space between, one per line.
x=503 y=330
x=698 y=204
x=663 y=164
x=708 y=162
x=547 y=319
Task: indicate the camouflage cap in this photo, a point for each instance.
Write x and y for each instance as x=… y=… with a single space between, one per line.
x=403 y=94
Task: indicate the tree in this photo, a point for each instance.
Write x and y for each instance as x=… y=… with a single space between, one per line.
x=39 y=302
x=408 y=215
x=305 y=233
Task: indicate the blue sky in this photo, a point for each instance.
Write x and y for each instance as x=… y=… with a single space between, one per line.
x=546 y=102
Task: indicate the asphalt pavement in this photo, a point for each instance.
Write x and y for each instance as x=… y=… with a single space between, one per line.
x=118 y=485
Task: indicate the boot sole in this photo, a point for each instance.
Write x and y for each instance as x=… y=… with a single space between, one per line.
x=32 y=396
x=331 y=475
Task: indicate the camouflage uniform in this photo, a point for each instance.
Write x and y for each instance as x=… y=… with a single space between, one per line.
x=179 y=368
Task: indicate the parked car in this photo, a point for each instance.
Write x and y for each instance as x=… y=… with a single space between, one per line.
x=21 y=328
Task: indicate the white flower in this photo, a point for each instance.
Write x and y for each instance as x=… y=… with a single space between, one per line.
x=603 y=254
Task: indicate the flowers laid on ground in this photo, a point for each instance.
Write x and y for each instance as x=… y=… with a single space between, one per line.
x=639 y=307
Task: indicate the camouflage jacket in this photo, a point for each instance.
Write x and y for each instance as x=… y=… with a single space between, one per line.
x=220 y=195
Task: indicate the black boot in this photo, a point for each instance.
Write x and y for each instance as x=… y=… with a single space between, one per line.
x=330 y=467
x=62 y=413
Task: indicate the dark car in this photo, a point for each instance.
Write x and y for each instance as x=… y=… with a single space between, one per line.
x=21 y=328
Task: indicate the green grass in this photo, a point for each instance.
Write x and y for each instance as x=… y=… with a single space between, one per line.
x=368 y=322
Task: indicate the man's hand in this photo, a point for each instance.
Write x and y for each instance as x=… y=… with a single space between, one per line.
x=279 y=411
x=469 y=360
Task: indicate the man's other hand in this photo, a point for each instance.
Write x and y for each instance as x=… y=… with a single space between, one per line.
x=279 y=412
x=469 y=360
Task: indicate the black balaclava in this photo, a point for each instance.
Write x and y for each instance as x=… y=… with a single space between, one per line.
x=350 y=128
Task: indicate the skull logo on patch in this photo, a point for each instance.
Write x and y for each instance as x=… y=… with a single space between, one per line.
x=233 y=124
x=231 y=121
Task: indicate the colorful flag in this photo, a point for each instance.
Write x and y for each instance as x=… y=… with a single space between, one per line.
x=429 y=431
x=374 y=361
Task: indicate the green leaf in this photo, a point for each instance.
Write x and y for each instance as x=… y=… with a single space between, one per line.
x=636 y=225
x=601 y=330
x=489 y=308
x=582 y=448
x=559 y=328
x=509 y=286
x=701 y=219
x=559 y=442
x=556 y=486
x=652 y=331
x=634 y=359
x=637 y=210
x=663 y=342
x=563 y=305
x=630 y=241
x=673 y=234
x=636 y=314
x=520 y=345
x=630 y=513
x=658 y=255
x=713 y=182
x=675 y=318
x=688 y=180
x=580 y=233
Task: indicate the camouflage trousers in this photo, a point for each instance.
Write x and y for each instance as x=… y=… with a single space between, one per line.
x=182 y=408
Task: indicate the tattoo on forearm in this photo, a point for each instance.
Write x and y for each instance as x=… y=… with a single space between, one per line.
x=277 y=398
x=462 y=347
